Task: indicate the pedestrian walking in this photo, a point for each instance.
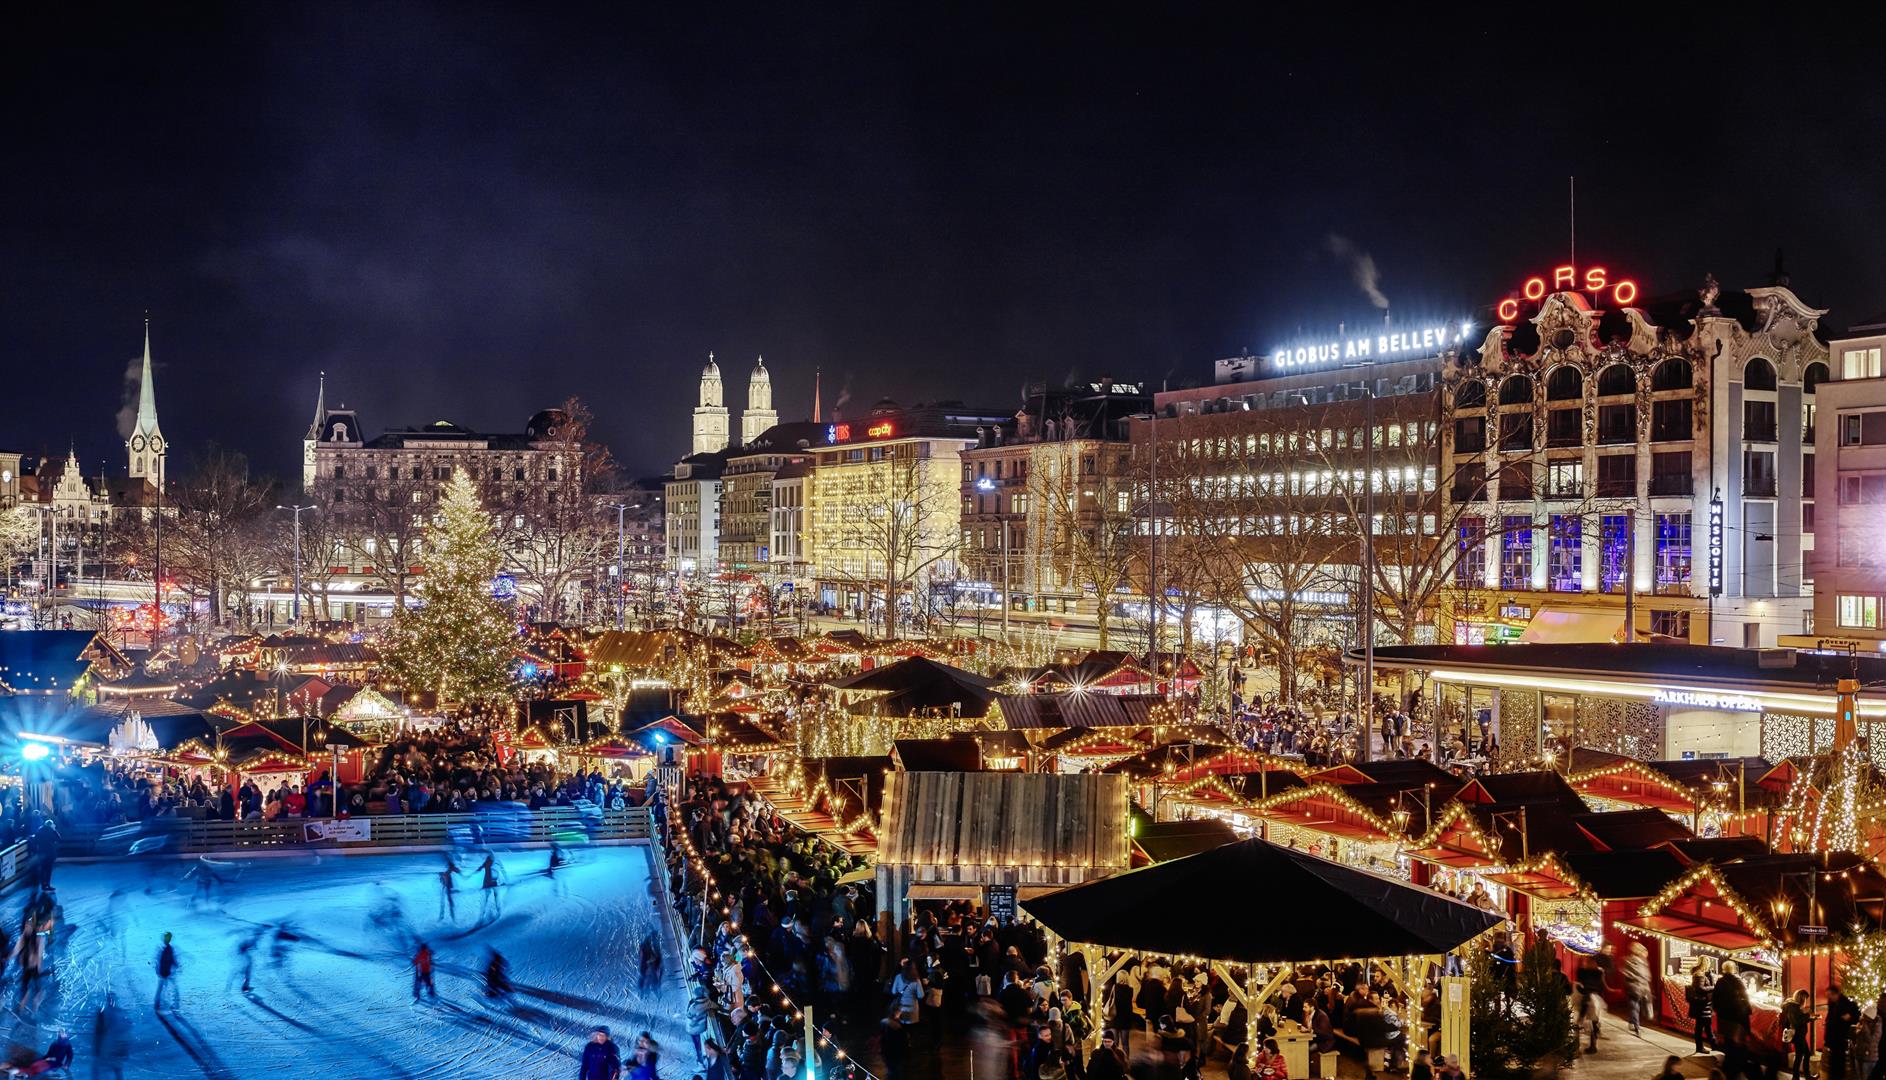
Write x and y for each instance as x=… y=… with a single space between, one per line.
x=602 y=1059
x=422 y=972
x=167 y=968
x=1797 y=1018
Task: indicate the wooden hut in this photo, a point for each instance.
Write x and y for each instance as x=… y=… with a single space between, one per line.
x=995 y=837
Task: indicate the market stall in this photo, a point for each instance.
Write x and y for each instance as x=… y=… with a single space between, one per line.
x=1781 y=922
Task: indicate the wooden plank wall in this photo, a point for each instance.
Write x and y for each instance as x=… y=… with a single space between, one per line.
x=975 y=823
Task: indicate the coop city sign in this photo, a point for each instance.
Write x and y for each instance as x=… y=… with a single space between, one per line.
x=1387 y=345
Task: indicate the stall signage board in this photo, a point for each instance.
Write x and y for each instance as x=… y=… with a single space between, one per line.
x=343 y=830
x=1001 y=899
x=1811 y=931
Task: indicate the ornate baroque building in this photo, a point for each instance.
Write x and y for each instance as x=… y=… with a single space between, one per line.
x=1606 y=448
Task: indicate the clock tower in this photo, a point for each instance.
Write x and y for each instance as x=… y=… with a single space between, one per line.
x=146 y=444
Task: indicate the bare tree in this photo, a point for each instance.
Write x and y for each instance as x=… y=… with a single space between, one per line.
x=1083 y=496
x=383 y=530
x=215 y=547
x=894 y=533
x=554 y=539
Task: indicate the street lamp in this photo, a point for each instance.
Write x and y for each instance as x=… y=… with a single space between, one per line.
x=621 y=509
x=296 y=618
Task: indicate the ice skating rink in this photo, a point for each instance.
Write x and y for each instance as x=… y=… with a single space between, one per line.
x=330 y=940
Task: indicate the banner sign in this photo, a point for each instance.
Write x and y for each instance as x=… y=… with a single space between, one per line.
x=344 y=830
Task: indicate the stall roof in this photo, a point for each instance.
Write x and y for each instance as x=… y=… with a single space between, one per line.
x=1239 y=898
x=1625 y=875
x=1009 y=819
x=1163 y=841
x=1622 y=830
x=1077 y=710
x=937 y=755
x=919 y=683
x=1403 y=772
x=1523 y=788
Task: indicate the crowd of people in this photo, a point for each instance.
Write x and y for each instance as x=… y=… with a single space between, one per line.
x=771 y=929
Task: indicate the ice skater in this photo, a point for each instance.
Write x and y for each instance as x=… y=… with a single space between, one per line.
x=651 y=962
x=167 y=968
x=497 y=976
x=111 y=1040
x=448 y=890
x=245 y=958
x=422 y=972
x=492 y=907
x=557 y=862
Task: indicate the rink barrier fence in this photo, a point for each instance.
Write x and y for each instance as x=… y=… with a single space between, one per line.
x=183 y=835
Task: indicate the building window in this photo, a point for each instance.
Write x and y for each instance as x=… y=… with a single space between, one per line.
x=1515 y=431
x=1758 y=473
x=1614 y=548
x=1617 y=424
x=1758 y=374
x=1567 y=555
x=1617 y=379
x=1860 y=363
x=340 y=472
x=1670 y=474
x=1018 y=503
x=1516 y=553
x=1671 y=624
x=1516 y=481
x=1565 y=480
x=1617 y=476
x=1857 y=612
x=1470 y=435
x=1564 y=427
x=1670 y=420
x=1863 y=428
x=1471 y=569
x=1807 y=518
x=1758 y=421
x=1673 y=553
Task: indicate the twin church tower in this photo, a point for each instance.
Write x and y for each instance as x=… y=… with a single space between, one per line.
x=710 y=416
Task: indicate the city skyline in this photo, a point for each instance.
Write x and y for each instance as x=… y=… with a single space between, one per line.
x=942 y=217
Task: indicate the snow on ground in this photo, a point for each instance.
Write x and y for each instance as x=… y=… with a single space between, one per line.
x=334 y=999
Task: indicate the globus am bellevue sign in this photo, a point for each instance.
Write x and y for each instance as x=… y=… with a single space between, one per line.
x=1386 y=345
x=1596 y=280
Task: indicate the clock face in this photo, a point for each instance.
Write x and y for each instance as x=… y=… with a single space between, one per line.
x=157 y=444
x=137 y=442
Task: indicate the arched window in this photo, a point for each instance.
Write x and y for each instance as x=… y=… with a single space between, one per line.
x=1516 y=390
x=1617 y=379
x=1564 y=384
x=1758 y=375
x=1472 y=394
x=1672 y=374
x=1815 y=375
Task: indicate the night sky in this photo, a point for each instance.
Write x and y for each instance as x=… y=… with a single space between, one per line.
x=471 y=211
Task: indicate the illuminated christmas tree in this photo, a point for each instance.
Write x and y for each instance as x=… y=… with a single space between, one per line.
x=460 y=640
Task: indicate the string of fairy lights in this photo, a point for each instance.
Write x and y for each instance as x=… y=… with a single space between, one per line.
x=711 y=894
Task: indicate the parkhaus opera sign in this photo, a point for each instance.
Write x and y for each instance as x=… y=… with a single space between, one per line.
x=1595 y=280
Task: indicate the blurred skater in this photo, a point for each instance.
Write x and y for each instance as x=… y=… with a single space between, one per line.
x=490 y=887
x=167 y=967
x=448 y=890
x=111 y=1040
x=497 y=976
x=422 y=972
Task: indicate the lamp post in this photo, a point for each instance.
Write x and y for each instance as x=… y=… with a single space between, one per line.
x=295 y=617
x=621 y=510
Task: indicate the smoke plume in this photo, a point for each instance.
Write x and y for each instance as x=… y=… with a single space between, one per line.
x=844 y=395
x=1362 y=269
x=128 y=397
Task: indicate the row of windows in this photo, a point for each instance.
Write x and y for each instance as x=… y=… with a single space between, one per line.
x=1863 y=428
x=440 y=472
x=1565 y=552
x=1412 y=433
x=1567 y=383
x=1860 y=363
x=1857 y=611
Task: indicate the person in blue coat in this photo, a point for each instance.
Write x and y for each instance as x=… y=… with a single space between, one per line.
x=602 y=1059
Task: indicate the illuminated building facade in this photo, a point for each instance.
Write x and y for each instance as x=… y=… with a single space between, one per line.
x=882 y=504
x=746 y=492
x=1040 y=493
x=692 y=520
x=1850 y=462
x=1606 y=442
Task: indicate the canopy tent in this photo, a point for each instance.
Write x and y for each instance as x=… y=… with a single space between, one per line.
x=1290 y=907
x=915 y=686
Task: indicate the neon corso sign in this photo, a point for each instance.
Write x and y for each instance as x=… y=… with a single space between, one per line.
x=1593 y=280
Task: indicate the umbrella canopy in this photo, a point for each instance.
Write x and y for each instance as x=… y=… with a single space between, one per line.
x=1257 y=902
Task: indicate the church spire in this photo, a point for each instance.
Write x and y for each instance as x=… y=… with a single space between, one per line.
x=320 y=409
x=147 y=389
x=146 y=444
